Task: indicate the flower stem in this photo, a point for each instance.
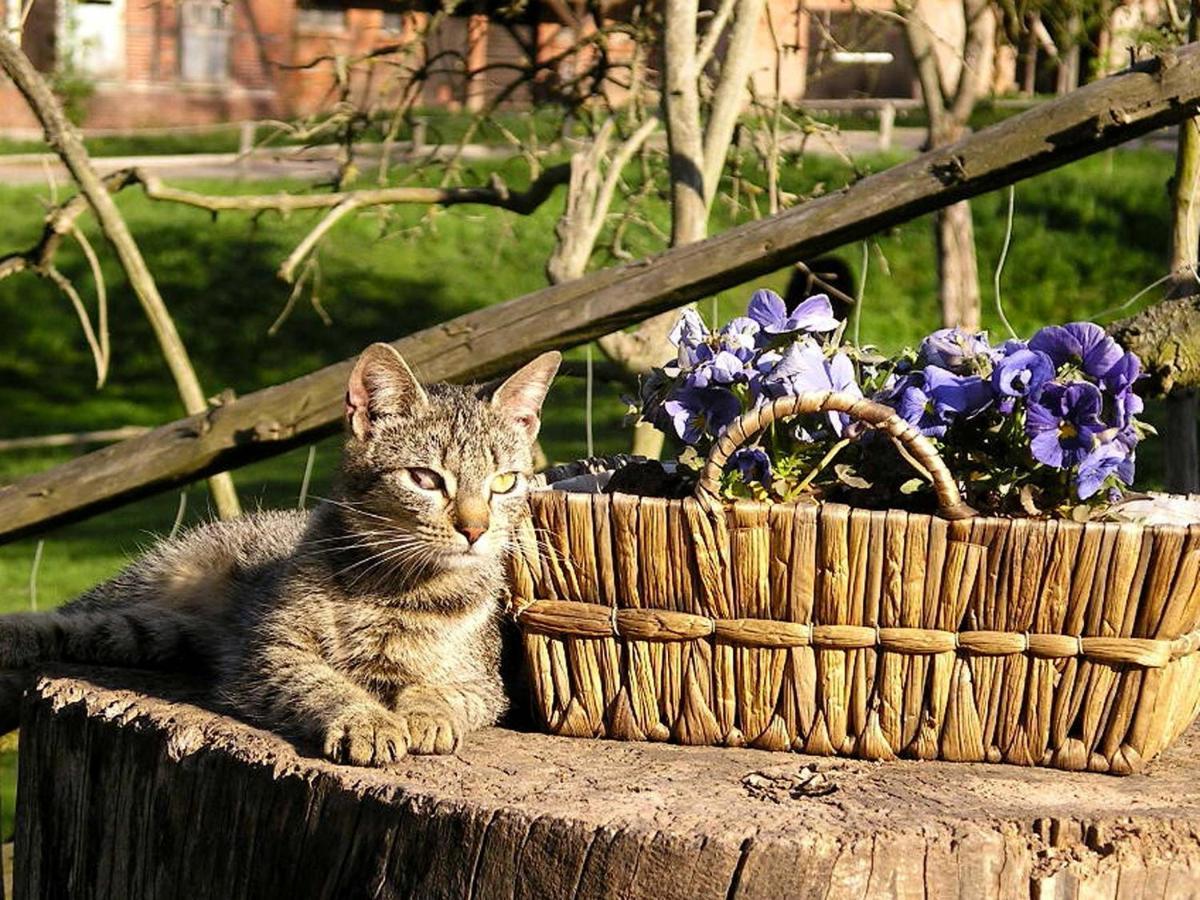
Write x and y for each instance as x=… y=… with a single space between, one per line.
x=825 y=461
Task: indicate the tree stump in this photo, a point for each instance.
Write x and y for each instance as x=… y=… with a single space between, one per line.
x=129 y=789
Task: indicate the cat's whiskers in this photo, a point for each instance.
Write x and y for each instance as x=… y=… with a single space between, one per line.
x=399 y=556
x=349 y=543
x=395 y=545
x=354 y=509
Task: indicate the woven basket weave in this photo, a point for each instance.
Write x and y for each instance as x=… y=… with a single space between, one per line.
x=877 y=634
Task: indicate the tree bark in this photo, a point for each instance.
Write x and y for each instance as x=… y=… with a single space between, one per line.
x=487 y=342
x=949 y=108
x=958 y=268
x=1166 y=336
x=129 y=790
x=65 y=141
x=1180 y=438
x=681 y=111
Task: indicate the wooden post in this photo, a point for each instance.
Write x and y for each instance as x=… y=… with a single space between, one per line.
x=128 y=790
x=887 y=124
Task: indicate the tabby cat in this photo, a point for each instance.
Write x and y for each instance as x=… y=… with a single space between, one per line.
x=367 y=626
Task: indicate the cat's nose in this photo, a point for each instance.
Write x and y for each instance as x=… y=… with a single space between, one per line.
x=472 y=532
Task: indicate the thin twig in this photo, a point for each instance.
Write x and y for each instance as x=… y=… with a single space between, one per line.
x=308 y=470
x=862 y=290
x=587 y=407
x=1008 y=229
x=33 y=575
x=825 y=461
x=101 y=301
x=179 y=513
x=287 y=269
x=713 y=35
x=63 y=283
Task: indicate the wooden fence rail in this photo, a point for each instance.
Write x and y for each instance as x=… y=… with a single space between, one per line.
x=1153 y=94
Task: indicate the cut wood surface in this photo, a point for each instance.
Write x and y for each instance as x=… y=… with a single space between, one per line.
x=1107 y=112
x=128 y=790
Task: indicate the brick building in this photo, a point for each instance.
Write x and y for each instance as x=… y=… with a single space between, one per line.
x=184 y=62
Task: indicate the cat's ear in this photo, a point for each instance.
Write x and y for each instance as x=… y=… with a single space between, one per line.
x=520 y=396
x=381 y=384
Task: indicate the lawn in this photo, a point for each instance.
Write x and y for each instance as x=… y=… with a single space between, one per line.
x=1085 y=238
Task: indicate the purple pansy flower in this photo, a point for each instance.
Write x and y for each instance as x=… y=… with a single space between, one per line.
x=1084 y=344
x=1123 y=374
x=956 y=395
x=696 y=412
x=907 y=396
x=953 y=349
x=813 y=315
x=723 y=368
x=753 y=464
x=1105 y=460
x=740 y=336
x=935 y=397
x=690 y=335
x=1064 y=424
x=803 y=367
x=1020 y=372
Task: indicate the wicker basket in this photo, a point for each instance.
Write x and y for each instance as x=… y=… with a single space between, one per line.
x=876 y=634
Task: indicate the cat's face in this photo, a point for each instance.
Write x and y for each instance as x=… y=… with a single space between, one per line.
x=436 y=477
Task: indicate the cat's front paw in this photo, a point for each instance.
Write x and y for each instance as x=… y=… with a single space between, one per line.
x=431 y=728
x=363 y=736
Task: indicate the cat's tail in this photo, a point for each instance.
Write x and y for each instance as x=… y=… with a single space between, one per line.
x=135 y=636
x=143 y=637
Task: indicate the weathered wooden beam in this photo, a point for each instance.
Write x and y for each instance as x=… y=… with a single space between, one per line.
x=1153 y=94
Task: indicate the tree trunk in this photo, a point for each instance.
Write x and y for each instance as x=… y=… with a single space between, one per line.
x=1183 y=457
x=1180 y=440
x=129 y=791
x=958 y=272
x=1029 y=69
x=948 y=92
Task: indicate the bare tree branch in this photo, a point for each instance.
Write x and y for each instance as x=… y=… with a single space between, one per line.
x=63 y=283
x=713 y=35
x=496 y=194
x=93 y=261
x=921 y=46
x=287 y=268
x=685 y=137
x=730 y=94
x=979 y=24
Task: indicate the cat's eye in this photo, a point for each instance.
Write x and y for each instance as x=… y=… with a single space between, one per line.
x=504 y=482
x=426 y=479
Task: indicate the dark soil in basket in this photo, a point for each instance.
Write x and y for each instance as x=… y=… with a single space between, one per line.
x=649 y=478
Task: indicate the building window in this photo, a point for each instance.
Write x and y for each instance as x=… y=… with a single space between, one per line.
x=320 y=15
x=204 y=40
x=392 y=23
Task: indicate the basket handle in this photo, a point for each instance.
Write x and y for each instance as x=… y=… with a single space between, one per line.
x=917 y=449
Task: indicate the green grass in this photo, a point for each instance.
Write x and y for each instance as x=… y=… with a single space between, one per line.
x=986 y=113
x=1085 y=238
x=442 y=126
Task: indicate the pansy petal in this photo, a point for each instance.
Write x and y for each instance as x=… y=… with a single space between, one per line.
x=767 y=308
